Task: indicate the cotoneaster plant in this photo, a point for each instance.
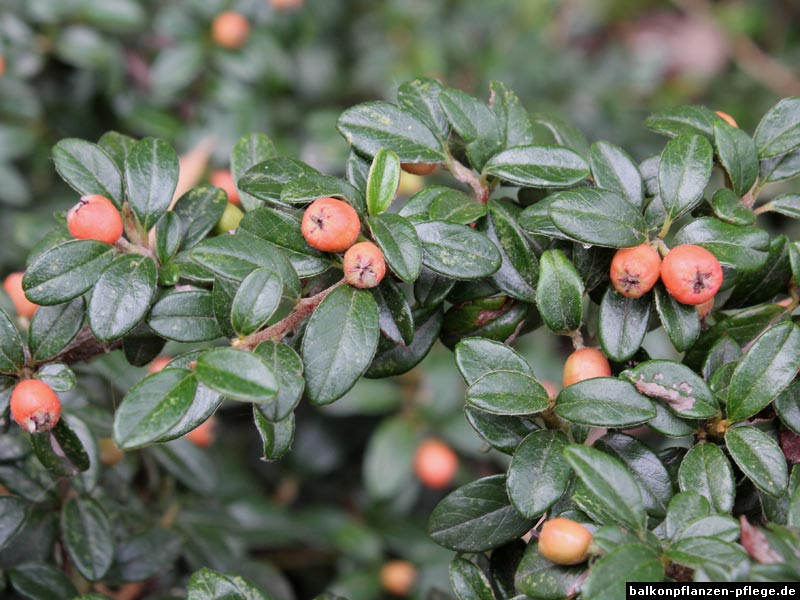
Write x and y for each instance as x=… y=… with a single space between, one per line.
x=668 y=454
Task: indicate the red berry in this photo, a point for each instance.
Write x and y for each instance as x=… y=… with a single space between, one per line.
x=364 y=266
x=13 y=287
x=230 y=30
x=95 y=218
x=585 y=363
x=419 y=168
x=158 y=363
x=435 y=464
x=564 y=541
x=330 y=225
x=203 y=435
x=223 y=179
x=691 y=274
x=35 y=406
x=634 y=271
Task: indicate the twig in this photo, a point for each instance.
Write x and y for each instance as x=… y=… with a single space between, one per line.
x=469 y=177
x=282 y=328
x=84 y=347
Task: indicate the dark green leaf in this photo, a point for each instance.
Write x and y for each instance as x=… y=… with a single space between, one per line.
x=475 y=123
x=419 y=205
x=288 y=368
x=684 y=508
x=257 y=298
x=538 y=474
x=610 y=575
x=153 y=407
x=66 y=271
x=609 y=484
x=502 y=432
x=421 y=96
x=141 y=556
x=729 y=208
x=57 y=375
x=759 y=457
x=705 y=470
x=374 y=125
x=680 y=321
x=457 y=251
x=475 y=357
x=537 y=577
x=88 y=169
x=310 y=187
x=604 y=402
x=12 y=352
x=169 y=235
x=785 y=204
x=394 y=313
x=189 y=464
x=276 y=436
x=559 y=292
x=468 y=581
x=86 y=531
x=515 y=124
x=117 y=146
x=477 y=517
x=335 y=357
x=199 y=210
x=683 y=173
x=206 y=584
x=60 y=450
x=151 y=175
x=613 y=169
x=737 y=246
x=681 y=120
x=13 y=514
x=52 y=328
x=737 y=153
x=384 y=177
x=623 y=324
x=765 y=370
x=599 y=217
x=787 y=405
x=237 y=374
x=563 y=133
x=235 y=256
x=779 y=129
x=780 y=168
x=508 y=393
x=538 y=166
x=122 y=296
x=184 y=316
x=39 y=581
x=456 y=208
x=400 y=244
x=519 y=270
x=715 y=555
x=392 y=359
x=266 y=179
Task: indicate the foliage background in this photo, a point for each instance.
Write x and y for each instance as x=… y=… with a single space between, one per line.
x=78 y=68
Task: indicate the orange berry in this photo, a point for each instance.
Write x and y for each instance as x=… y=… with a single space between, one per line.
x=110 y=454
x=330 y=225
x=230 y=30
x=726 y=117
x=419 y=168
x=13 y=287
x=564 y=542
x=398 y=577
x=95 y=218
x=222 y=178
x=585 y=363
x=364 y=266
x=2 y=65
x=691 y=274
x=704 y=309
x=435 y=464
x=203 y=435
x=35 y=406
x=634 y=271
x=158 y=363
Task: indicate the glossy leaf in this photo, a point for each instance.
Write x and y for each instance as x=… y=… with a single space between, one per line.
x=206 y=584
x=184 y=316
x=12 y=352
x=151 y=175
x=705 y=470
x=737 y=246
x=604 y=402
x=683 y=120
x=683 y=173
x=610 y=575
x=737 y=153
x=779 y=129
x=250 y=150
x=468 y=581
x=389 y=458
x=519 y=270
x=257 y=298
x=335 y=357
x=538 y=166
x=475 y=357
x=613 y=169
x=276 y=436
x=680 y=321
x=623 y=324
x=52 y=328
x=400 y=244
x=237 y=374
x=559 y=292
x=759 y=457
x=675 y=385
x=86 y=530
x=508 y=393
x=384 y=177
x=88 y=169
x=457 y=251
x=538 y=474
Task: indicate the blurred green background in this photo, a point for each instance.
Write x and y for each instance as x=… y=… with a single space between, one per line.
x=78 y=68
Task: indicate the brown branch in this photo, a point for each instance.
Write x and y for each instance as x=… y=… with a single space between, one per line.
x=470 y=177
x=278 y=331
x=83 y=348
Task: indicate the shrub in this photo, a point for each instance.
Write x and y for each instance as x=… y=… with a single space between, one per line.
x=665 y=459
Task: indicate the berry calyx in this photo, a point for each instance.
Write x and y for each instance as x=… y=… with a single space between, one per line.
x=364 y=266
x=223 y=179
x=704 y=309
x=35 y=406
x=634 y=271
x=230 y=219
x=94 y=217
x=13 y=287
x=230 y=30
x=585 y=363
x=204 y=434
x=435 y=464
x=421 y=169
x=330 y=225
x=727 y=118
x=398 y=577
x=691 y=274
x=564 y=542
